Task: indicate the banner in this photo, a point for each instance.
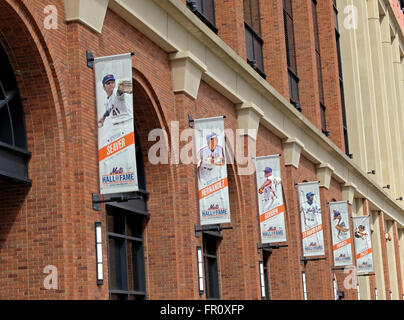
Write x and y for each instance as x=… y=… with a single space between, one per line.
x=211 y=171
x=116 y=138
x=270 y=200
x=311 y=220
x=341 y=236
x=363 y=244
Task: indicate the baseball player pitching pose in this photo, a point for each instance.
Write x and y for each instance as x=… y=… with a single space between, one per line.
x=210 y=156
x=115 y=104
x=269 y=188
x=310 y=211
x=340 y=225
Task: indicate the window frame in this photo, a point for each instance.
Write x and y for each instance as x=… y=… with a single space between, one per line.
x=209 y=277
x=197 y=7
x=14 y=154
x=139 y=271
x=293 y=77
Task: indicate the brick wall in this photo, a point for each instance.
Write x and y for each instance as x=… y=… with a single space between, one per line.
x=52 y=221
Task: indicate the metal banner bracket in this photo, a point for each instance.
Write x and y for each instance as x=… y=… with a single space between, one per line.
x=216 y=228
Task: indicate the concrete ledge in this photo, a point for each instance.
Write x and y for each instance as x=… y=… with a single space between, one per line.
x=186 y=72
x=249 y=116
x=292 y=149
x=89 y=12
x=324 y=172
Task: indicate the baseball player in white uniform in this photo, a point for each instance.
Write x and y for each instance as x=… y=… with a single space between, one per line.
x=120 y=116
x=209 y=158
x=310 y=211
x=340 y=226
x=116 y=107
x=269 y=189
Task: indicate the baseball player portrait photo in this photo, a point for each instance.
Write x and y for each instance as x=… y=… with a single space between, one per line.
x=116 y=107
x=269 y=189
x=339 y=224
x=360 y=232
x=210 y=157
x=310 y=211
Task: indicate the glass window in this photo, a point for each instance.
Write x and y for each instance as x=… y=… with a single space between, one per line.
x=291 y=53
x=254 y=42
x=125 y=254
x=211 y=266
x=204 y=10
x=12 y=121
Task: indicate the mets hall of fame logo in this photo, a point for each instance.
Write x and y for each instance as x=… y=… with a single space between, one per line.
x=117 y=176
x=313 y=247
x=214 y=211
x=343 y=258
x=273 y=232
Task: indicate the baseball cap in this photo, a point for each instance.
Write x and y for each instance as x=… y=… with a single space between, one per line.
x=309 y=194
x=268 y=169
x=107 y=78
x=336 y=213
x=211 y=135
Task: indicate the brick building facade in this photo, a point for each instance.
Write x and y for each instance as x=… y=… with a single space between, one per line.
x=47 y=217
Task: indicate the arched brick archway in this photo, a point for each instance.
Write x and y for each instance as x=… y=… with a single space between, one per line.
x=32 y=221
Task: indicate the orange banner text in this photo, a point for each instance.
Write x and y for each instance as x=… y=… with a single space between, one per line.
x=364 y=253
x=341 y=244
x=221 y=184
x=272 y=213
x=116 y=146
x=312 y=231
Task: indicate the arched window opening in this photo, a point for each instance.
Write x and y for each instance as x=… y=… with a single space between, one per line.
x=14 y=156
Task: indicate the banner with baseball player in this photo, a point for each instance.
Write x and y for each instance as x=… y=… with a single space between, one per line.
x=310 y=218
x=363 y=244
x=270 y=200
x=341 y=237
x=211 y=171
x=116 y=138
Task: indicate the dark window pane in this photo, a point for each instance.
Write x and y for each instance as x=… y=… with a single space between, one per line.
x=6 y=134
x=134 y=225
x=210 y=245
x=208 y=10
x=17 y=116
x=116 y=296
x=212 y=278
x=136 y=266
x=323 y=119
x=252 y=15
x=116 y=221
x=249 y=44
x=117 y=263
x=258 y=54
x=293 y=87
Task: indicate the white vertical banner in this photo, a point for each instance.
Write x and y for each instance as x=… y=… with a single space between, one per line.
x=213 y=188
x=310 y=218
x=270 y=200
x=363 y=244
x=116 y=138
x=341 y=235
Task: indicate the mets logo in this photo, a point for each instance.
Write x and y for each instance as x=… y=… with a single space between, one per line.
x=116 y=170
